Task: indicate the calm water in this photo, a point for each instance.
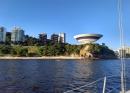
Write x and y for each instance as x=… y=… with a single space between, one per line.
x=55 y=76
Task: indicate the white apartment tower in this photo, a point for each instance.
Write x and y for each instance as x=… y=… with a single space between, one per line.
x=17 y=35
x=62 y=38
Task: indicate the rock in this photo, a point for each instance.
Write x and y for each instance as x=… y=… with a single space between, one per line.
x=85 y=53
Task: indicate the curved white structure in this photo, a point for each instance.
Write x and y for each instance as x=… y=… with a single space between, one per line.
x=87 y=38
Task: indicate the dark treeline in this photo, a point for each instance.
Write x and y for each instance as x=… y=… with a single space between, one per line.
x=58 y=49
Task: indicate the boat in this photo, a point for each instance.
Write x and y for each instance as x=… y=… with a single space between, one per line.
x=105 y=79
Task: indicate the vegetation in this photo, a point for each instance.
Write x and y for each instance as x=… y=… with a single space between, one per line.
x=101 y=51
x=58 y=49
x=5 y=49
x=30 y=41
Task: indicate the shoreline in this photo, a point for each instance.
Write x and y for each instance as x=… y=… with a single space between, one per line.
x=51 y=57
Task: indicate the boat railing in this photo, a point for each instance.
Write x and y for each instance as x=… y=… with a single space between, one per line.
x=101 y=85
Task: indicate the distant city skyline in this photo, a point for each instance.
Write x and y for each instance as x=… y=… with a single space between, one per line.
x=18 y=36
x=69 y=16
x=36 y=35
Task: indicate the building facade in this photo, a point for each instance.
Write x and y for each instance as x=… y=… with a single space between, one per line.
x=62 y=38
x=122 y=53
x=17 y=35
x=8 y=37
x=43 y=38
x=125 y=52
x=2 y=34
x=54 y=38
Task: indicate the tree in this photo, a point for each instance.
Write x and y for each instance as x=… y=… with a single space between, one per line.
x=69 y=49
x=19 y=51
x=30 y=41
x=5 y=49
x=59 y=49
x=23 y=52
x=43 y=50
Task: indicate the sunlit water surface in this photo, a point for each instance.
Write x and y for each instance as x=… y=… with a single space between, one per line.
x=58 y=76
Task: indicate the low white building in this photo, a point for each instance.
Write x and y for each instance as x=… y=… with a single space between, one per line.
x=125 y=52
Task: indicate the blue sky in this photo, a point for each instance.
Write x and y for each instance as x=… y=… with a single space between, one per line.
x=70 y=16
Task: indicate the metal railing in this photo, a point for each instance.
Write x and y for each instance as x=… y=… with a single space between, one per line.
x=105 y=86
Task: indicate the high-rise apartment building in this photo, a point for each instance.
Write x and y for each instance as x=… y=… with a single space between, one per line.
x=17 y=35
x=43 y=38
x=54 y=38
x=2 y=34
x=8 y=37
x=62 y=38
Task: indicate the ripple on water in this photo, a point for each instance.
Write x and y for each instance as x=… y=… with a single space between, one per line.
x=52 y=76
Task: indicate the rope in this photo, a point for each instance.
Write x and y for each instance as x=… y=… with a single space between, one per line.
x=84 y=85
x=89 y=84
x=123 y=74
x=122 y=56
